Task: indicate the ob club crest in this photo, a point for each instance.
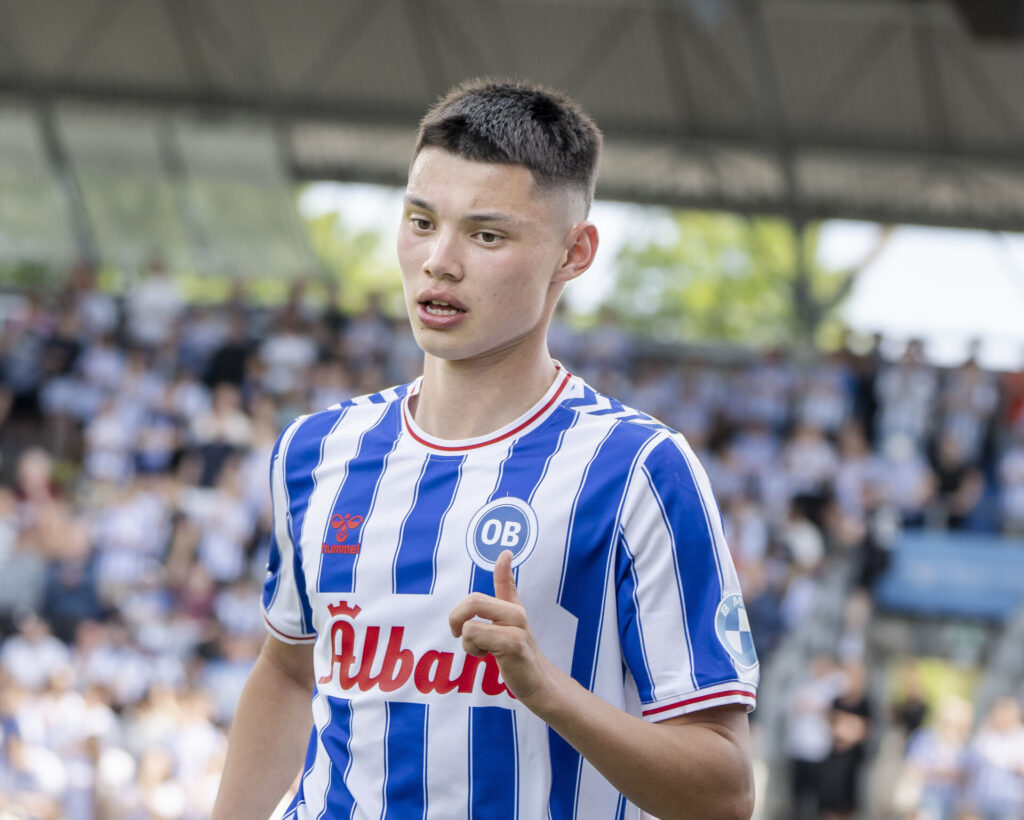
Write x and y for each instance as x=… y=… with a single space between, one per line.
x=503 y=524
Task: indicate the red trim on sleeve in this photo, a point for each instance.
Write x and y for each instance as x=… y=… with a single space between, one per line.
x=701 y=698
x=502 y=437
x=286 y=635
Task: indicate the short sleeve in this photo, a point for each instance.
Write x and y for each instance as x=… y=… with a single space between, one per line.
x=285 y=603
x=682 y=624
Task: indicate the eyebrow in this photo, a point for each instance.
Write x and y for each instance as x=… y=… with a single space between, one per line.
x=416 y=202
x=490 y=217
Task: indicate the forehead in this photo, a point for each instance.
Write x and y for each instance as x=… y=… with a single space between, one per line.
x=443 y=179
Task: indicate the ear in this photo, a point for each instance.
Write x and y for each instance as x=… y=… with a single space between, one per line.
x=580 y=252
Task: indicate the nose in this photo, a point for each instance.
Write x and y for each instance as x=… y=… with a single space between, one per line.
x=443 y=261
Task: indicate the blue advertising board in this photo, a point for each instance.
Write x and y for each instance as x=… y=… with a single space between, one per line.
x=959 y=574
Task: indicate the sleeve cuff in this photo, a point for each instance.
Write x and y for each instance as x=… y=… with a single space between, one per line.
x=720 y=694
x=286 y=636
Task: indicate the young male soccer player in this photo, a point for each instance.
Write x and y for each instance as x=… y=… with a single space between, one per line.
x=508 y=596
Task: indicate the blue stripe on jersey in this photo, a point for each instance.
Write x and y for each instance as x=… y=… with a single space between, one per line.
x=405 y=761
x=700 y=587
x=588 y=398
x=336 y=735
x=493 y=764
x=631 y=633
x=620 y=813
x=301 y=460
x=592 y=535
x=382 y=397
x=416 y=558
x=271 y=584
x=522 y=470
x=274 y=560
x=355 y=499
x=615 y=406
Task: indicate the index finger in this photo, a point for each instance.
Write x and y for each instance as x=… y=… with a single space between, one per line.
x=504 y=580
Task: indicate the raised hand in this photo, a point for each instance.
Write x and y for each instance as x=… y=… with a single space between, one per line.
x=505 y=633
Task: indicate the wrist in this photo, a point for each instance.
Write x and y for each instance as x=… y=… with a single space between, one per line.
x=553 y=700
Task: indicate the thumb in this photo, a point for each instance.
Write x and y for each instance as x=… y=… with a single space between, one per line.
x=504 y=580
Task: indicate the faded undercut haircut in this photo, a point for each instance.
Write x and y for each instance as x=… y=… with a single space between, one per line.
x=517 y=123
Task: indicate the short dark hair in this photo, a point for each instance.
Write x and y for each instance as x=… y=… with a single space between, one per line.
x=516 y=123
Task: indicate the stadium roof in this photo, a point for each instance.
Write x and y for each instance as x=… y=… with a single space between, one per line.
x=890 y=110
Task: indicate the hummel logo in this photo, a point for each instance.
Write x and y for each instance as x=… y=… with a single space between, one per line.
x=342 y=526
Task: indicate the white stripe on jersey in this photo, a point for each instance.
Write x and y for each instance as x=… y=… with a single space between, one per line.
x=447 y=774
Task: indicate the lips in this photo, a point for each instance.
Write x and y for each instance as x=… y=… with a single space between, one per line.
x=437 y=299
x=439 y=311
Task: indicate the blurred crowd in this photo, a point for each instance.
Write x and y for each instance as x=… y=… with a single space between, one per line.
x=135 y=437
x=940 y=766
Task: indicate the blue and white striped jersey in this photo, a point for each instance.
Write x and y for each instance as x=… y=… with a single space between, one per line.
x=380 y=530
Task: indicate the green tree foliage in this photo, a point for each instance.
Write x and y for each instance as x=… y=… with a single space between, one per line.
x=358 y=260
x=725 y=277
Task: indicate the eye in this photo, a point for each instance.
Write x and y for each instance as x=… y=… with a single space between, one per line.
x=488 y=237
x=420 y=223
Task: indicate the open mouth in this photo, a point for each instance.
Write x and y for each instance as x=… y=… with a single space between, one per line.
x=437 y=308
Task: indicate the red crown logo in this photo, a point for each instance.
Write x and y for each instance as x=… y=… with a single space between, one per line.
x=342 y=608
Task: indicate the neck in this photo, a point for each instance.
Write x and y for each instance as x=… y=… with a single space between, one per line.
x=466 y=399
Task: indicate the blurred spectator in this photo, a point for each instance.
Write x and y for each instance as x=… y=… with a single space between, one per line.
x=910 y=708
x=159 y=437
x=936 y=764
x=203 y=330
x=850 y=722
x=368 y=337
x=33 y=655
x=959 y=483
x=825 y=400
x=995 y=783
x=810 y=462
x=97 y=311
x=219 y=524
x=221 y=432
x=153 y=306
x=858 y=468
x=71 y=594
x=906 y=395
x=23 y=344
x=908 y=480
x=762 y=392
x=970 y=397
x=287 y=354
x=227 y=359
x=110 y=444
x=809 y=734
x=747 y=532
x=1011 y=476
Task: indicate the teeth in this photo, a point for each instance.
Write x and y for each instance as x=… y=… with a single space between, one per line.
x=435 y=307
